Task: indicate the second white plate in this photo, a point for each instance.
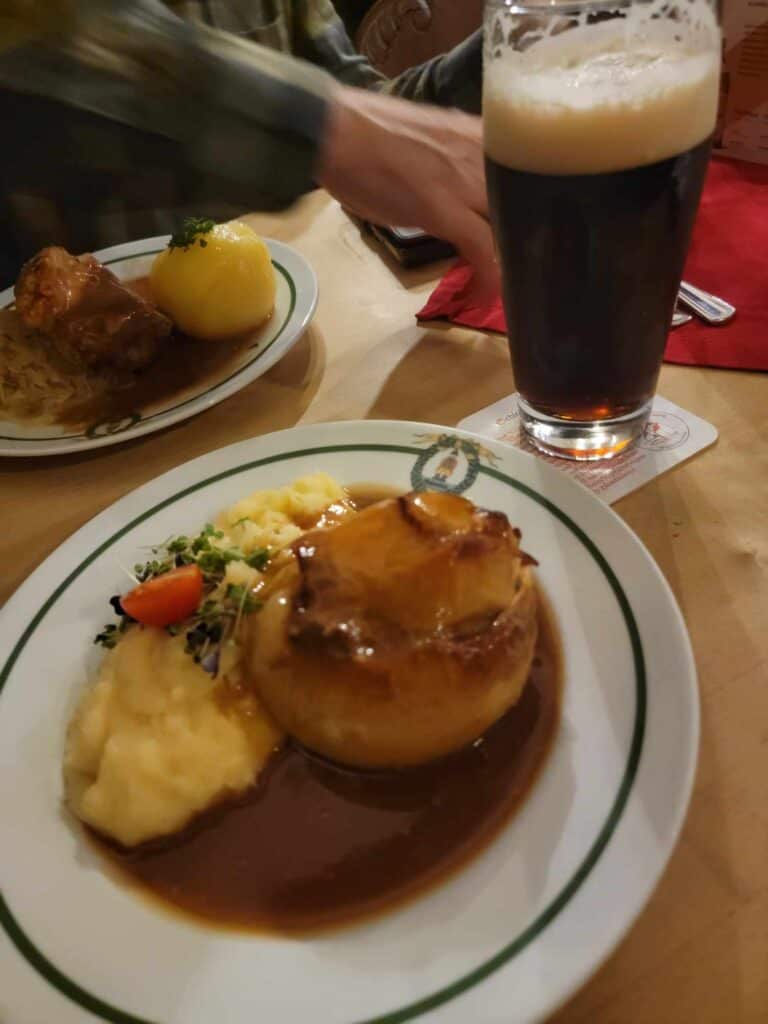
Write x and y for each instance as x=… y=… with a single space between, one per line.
x=295 y=304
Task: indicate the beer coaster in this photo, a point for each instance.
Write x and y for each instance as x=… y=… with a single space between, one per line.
x=671 y=436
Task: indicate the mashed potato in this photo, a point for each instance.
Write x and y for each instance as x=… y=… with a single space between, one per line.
x=150 y=745
x=153 y=743
x=219 y=285
x=274 y=519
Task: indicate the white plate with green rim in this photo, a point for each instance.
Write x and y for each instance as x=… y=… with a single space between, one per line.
x=295 y=303
x=507 y=938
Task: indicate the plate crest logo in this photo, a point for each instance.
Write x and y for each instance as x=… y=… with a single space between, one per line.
x=107 y=427
x=449 y=464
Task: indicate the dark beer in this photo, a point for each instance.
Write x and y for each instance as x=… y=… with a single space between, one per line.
x=591 y=264
x=597 y=123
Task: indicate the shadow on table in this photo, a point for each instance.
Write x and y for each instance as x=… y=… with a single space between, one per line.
x=407 y=277
x=445 y=377
x=293 y=223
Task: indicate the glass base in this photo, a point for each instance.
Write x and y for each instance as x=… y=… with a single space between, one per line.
x=582 y=440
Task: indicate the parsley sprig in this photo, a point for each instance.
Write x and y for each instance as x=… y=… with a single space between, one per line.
x=221 y=609
x=109 y=636
x=190 y=231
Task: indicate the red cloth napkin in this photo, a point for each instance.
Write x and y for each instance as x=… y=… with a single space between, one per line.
x=728 y=256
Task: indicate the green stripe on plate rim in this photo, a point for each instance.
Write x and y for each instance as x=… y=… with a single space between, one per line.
x=107 y=1012
x=201 y=394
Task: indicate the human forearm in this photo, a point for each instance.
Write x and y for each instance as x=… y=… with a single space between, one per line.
x=394 y=162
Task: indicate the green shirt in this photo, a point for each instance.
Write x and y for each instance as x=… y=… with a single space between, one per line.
x=124 y=115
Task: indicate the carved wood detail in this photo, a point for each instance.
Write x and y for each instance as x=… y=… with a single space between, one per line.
x=397 y=34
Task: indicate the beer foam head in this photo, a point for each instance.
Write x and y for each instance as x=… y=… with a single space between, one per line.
x=580 y=98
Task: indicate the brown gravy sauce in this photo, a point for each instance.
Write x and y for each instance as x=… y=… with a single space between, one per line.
x=182 y=364
x=314 y=844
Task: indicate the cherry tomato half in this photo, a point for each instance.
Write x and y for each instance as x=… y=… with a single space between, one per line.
x=165 y=599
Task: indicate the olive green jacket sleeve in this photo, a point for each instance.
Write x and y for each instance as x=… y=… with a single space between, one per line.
x=248 y=109
x=241 y=111
x=120 y=116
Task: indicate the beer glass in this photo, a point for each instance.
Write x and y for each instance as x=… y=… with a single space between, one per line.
x=597 y=121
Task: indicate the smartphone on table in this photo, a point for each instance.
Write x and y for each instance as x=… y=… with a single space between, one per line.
x=411 y=247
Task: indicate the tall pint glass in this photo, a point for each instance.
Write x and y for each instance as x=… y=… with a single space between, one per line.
x=597 y=125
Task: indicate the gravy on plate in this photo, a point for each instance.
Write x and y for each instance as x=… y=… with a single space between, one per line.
x=315 y=844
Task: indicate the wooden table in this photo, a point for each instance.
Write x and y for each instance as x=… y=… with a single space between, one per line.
x=699 y=952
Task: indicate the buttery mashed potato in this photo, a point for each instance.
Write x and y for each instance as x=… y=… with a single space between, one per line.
x=150 y=746
x=271 y=519
x=157 y=739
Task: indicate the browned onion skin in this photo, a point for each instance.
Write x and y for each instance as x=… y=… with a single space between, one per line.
x=400 y=635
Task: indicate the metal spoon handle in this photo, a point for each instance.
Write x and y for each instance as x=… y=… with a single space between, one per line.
x=709 y=307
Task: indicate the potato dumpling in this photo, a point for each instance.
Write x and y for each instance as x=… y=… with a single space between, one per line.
x=219 y=285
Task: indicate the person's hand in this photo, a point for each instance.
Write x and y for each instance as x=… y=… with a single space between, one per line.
x=395 y=162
